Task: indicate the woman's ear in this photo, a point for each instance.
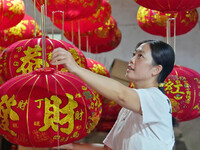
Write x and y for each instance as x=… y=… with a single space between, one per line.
x=157 y=69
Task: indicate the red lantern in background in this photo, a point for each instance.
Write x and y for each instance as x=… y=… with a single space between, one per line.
x=96 y=37
x=11 y=13
x=97 y=67
x=23 y=30
x=47 y=108
x=86 y=24
x=155 y=22
x=26 y=55
x=169 y=5
x=107 y=45
x=110 y=109
x=182 y=87
x=72 y=9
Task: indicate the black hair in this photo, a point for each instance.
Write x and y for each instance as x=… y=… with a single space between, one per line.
x=162 y=54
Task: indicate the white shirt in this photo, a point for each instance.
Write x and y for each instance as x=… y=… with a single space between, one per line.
x=151 y=131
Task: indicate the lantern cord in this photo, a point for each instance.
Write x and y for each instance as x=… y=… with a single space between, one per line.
x=43 y=37
x=34 y=12
x=169 y=32
x=79 y=35
x=87 y=44
x=72 y=31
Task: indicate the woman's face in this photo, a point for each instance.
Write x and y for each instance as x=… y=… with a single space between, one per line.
x=140 y=67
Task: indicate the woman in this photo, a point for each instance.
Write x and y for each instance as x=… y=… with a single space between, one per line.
x=145 y=121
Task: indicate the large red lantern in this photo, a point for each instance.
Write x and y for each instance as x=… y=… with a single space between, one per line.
x=23 y=30
x=155 y=22
x=26 y=55
x=72 y=9
x=95 y=37
x=47 y=108
x=169 y=5
x=182 y=86
x=11 y=13
x=98 y=19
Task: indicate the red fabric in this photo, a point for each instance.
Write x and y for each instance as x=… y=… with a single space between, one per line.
x=169 y=5
x=155 y=22
x=182 y=86
x=47 y=108
x=11 y=13
x=94 y=21
x=72 y=9
x=26 y=55
x=23 y=30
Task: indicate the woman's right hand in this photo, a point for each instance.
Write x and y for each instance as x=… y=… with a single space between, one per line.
x=61 y=56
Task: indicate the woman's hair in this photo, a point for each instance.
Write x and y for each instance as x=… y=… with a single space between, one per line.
x=162 y=54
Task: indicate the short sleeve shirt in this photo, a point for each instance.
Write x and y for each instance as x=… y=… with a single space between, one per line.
x=153 y=130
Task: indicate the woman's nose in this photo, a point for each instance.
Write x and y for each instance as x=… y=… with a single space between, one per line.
x=132 y=60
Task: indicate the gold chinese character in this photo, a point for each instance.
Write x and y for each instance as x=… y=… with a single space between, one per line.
x=52 y=114
x=7 y=113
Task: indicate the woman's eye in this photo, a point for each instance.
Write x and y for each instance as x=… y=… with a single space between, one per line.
x=133 y=54
x=140 y=55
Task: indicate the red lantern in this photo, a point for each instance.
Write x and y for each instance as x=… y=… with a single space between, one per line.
x=47 y=108
x=11 y=13
x=182 y=87
x=155 y=22
x=110 y=109
x=26 y=55
x=23 y=30
x=169 y=5
x=90 y=23
x=72 y=9
x=96 y=37
x=97 y=67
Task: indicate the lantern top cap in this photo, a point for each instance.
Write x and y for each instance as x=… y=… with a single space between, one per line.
x=45 y=71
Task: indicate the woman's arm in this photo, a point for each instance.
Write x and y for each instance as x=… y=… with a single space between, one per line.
x=105 y=86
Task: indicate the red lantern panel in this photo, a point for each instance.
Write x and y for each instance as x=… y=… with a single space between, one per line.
x=86 y=24
x=97 y=67
x=182 y=87
x=155 y=22
x=72 y=9
x=47 y=108
x=23 y=30
x=11 y=13
x=26 y=55
x=169 y=5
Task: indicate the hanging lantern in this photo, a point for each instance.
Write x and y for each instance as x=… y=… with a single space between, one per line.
x=95 y=37
x=11 y=13
x=169 y=5
x=47 y=108
x=98 y=19
x=72 y=9
x=155 y=22
x=23 y=30
x=110 y=109
x=26 y=55
x=182 y=86
x=97 y=67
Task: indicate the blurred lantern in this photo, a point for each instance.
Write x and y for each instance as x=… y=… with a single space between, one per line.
x=182 y=86
x=26 y=55
x=97 y=67
x=11 y=13
x=47 y=108
x=23 y=30
x=155 y=22
x=98 y=19
x=72 y=9
x=169 y=5
x=110 y=109
x=95 y=37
